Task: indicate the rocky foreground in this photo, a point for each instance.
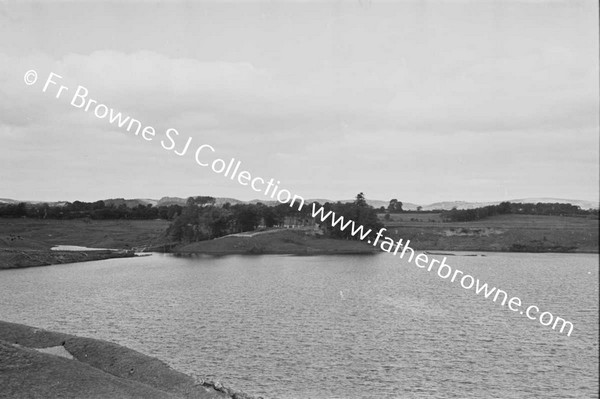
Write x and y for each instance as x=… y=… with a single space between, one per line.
x=36 y=363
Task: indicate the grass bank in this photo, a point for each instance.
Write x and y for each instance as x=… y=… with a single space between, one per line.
x=502 y=233
x=293 y=242
x=11 y=258
x=27 y=242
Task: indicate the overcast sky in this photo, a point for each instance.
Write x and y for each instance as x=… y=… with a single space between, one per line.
x=422 y=101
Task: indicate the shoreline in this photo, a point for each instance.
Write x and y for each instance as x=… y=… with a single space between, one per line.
x=28 y=242
x=20 y=259
x=23 y=258
x=297 y=253
x=433 y=251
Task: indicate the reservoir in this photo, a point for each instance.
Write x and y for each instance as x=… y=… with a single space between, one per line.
x=331 y=326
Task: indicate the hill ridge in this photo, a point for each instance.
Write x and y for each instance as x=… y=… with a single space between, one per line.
x=409 y=206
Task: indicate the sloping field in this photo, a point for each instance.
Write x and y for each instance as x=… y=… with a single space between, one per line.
x=528 y=233
x=277 y=242
x=27 y=242
x=118 y=234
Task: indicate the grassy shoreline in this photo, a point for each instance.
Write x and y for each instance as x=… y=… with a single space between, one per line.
x=15 y=259
x=277 y=242
x=28 y=242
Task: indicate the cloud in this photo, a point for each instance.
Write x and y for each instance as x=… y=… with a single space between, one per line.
x=550 y=88
x=339 y=118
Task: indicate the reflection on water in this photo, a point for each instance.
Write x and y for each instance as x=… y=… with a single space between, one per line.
x=331 y=327
x=78 y=248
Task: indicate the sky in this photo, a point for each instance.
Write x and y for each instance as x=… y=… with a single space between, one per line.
x=423 y=101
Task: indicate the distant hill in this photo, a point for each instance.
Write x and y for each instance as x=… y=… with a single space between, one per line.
x=408 y=206
x=232 y=201
x=581 y=203
x=8 y=201
x=471 y=205
x=12 y=201
x=445 y=205
x=166 y=201
x=256 y=201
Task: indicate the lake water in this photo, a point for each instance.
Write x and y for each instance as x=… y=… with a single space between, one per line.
x=331 y=326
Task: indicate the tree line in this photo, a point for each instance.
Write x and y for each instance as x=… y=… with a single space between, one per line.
x=504 y=208
x=358 y=211
x=202 y=220
x=93 y=210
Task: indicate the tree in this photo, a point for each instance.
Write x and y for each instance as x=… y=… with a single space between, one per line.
x=247 y=216
x=269 y=216
x=360 y=200
x=21 y=210
x=504 y=207
x=358 y=211
x=200 y=201
x=395 y=206
x=218 y=221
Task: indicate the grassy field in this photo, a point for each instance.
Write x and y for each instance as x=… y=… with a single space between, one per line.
x=118 y=234
x=27 y=242
x=527 y=233
x=278 y=242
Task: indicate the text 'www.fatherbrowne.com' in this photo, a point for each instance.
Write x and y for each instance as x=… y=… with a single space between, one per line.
x=80 y=98
x=442 y=269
